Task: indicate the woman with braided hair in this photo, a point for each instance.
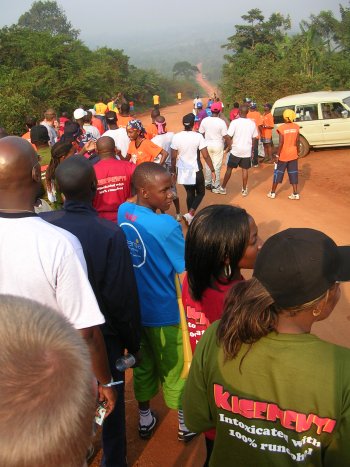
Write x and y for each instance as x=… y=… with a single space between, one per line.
x=59 y=152
x=142 y=149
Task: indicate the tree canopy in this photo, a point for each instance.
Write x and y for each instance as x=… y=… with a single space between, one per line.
x=265 y=62
x=184 y=69
x=47 y=16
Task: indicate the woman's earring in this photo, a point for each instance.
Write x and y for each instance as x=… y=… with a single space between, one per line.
x=316 y=312
x=227 y=270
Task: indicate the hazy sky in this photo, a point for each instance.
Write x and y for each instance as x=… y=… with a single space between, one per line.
x=119 y=23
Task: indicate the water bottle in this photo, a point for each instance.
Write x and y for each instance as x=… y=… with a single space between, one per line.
x=125 y=362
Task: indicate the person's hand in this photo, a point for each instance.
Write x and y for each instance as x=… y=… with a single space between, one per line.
x=90 y=146
x=109 y=397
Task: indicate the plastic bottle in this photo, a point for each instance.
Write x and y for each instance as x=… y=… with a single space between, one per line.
x=125 y=362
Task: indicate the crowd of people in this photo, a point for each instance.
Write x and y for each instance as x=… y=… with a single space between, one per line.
x=89 y=275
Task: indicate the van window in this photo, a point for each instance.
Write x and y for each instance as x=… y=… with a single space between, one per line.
x=306 y=112
x=278 y=113
x=332 y=110
x=347 y=101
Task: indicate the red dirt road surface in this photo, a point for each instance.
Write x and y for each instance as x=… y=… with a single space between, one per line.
x=324 y=204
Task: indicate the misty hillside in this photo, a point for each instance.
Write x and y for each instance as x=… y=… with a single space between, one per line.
x=163 y=52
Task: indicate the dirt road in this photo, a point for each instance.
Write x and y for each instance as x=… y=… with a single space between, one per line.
x=324 y=205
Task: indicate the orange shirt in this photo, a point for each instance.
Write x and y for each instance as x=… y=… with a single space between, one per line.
x=256 y=117
x=268 y=121
x=151 y=131
x=27 y=137
x=96 y=122
x=290 y=133
x=123 y=120
x=146 y=152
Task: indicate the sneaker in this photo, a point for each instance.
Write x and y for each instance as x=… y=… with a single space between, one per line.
x=271 y=195
x=294 y=196
x=244 y=192
x=178 y=217
x=256 y=165
x=209 y=187
x=186 y=436
x=145 y=432
x=219 y=190
x=188 y=218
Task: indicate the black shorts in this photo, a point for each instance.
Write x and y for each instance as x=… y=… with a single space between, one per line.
x=243 y=162
x=292 y=169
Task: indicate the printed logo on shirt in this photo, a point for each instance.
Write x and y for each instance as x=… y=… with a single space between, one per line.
x=270 y=438
x=135 y=243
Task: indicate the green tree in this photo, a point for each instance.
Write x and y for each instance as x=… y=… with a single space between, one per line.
x=184 y=69
x=47 y=16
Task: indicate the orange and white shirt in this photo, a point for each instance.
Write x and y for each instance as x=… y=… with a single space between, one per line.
x=290 y=133
x=147 y=151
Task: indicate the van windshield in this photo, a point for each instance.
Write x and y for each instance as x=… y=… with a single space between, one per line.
x=347 y=101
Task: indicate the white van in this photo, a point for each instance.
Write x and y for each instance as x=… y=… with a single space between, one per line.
x=323 y=117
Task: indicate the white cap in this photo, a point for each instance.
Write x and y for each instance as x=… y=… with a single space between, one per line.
x=93 y=111
x=79 y=113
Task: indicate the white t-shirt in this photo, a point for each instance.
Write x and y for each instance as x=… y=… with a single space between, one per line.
x=242 y=130
x=214 y=129
x=164 y=141
x=121 y=139
x=187 y=143
x=91 y=132
x=45 y=263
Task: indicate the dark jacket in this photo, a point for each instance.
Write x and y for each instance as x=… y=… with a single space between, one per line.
x=109 y=267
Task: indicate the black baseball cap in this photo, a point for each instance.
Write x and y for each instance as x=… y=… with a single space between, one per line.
x=39 y=134
x=188 y=119
x=297 y=266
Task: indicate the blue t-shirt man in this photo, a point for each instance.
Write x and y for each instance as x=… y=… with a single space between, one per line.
x=157 y=249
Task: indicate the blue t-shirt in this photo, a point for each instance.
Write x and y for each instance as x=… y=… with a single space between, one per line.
x=157 y=249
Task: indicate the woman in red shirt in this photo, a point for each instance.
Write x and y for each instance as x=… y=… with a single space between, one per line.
x=221 y=240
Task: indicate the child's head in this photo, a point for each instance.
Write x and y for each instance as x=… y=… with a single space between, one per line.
x=153 y=183
x=221 y=240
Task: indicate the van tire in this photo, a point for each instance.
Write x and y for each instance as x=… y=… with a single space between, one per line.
x=304 y=147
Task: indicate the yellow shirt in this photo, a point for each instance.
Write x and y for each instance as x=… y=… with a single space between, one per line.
x=155 y=99
x=100 y=108
x=111 y=106
x=179 y=95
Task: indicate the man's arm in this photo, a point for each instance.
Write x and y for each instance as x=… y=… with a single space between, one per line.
x=164 y=155
x=93 y=338
x=174 y=153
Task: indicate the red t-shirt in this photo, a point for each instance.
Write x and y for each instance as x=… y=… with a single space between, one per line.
x=113 y=186
x=201 y=314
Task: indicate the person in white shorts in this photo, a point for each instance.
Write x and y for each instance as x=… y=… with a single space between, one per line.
x=214 y=130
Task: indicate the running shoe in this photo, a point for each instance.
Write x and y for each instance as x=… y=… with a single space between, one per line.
x=294 y=196
x=145 y=432
x=244 y=192
x=186 y=436
x=219 y=190
x=188 y=218
x=209 y=187
x=271 y=195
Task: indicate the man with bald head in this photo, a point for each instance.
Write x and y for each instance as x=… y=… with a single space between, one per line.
x=40 y=261
x=112 y=278
x=113 y=180
x=157 y=247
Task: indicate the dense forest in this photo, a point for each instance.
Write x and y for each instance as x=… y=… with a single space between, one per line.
x=265 y=62
x=44 y=64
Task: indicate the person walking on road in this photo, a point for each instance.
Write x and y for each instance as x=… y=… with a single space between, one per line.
x=242 y=131
x=186 y=147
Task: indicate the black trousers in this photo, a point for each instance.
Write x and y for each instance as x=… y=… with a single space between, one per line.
x=195 y=193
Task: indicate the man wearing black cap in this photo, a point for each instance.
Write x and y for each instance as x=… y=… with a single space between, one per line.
x=39 y=136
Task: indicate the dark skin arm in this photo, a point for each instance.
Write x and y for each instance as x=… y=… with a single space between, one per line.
x=93 y=338
x=164 y=155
